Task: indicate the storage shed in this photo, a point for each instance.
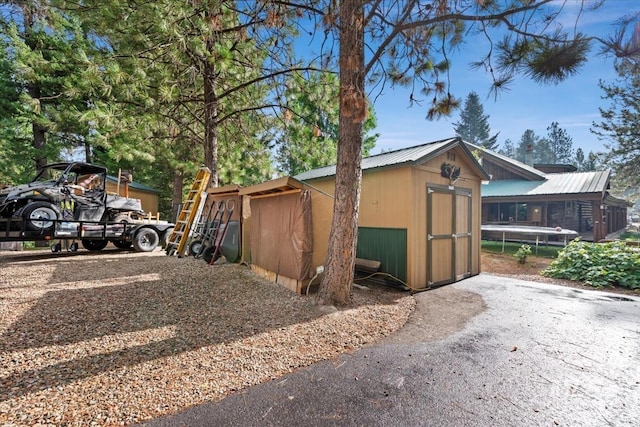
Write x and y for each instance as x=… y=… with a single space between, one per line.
x=286 y=230
x=148 y=196
x=419 y=211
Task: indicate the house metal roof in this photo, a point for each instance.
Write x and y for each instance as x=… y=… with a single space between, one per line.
x=555 y=184
x=406 y=156
x=526 y=170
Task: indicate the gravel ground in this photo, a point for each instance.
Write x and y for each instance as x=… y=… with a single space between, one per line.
x=114 y=338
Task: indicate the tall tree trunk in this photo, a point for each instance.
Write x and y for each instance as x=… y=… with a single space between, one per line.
x=211 y=105
x=39 y=132
x=176 y=197
x=336 y=284
x=39 y=143
x=210 y=123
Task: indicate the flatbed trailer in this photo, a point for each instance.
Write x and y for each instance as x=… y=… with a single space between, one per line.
x=143 y=235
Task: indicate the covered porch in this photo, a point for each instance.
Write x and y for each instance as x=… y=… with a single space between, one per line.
x=593 y=219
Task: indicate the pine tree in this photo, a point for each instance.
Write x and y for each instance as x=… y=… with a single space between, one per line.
x=526 y=147
x=51 y=60
x=579 y=159
x=560 y=144
x=309 y=138
x=620 y=125
x=473 y=126
x=508 y=149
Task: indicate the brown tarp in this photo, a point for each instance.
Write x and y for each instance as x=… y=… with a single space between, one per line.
x=281 y=234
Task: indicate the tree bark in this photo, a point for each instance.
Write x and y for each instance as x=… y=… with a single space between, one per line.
x=335 y=286
x=210 y=122
x=211 y=105
x=176 y=197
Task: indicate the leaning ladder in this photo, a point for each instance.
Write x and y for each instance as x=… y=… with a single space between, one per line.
x=179 y=236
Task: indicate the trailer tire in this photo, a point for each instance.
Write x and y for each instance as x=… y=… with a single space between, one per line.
x=40 y=216
x=122 y=244
x=165 y=237
x=94 y=245
x=146 y=240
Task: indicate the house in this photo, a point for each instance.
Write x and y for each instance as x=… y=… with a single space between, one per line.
x=419 y=214
x=549 y=196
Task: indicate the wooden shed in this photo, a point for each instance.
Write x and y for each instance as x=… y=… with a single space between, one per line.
x=148 y=196
x=419 y=211
x=286 y=230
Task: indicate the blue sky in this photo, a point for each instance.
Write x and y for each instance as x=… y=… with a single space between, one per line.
x=528 y=105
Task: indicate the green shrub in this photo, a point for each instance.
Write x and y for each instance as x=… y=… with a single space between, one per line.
x=630 y=235
x=597 y=264
x=522 y=253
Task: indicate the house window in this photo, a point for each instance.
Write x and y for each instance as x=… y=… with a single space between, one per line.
x=502 y=212
x=521 y=211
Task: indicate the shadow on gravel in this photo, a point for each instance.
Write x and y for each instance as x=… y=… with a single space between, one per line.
x=200 y=305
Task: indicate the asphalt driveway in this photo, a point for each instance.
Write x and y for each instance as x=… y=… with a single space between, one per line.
x=487 y=351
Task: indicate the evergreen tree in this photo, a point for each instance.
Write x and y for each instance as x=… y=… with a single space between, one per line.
x=15 y=138
x=50 y=56
x=620 y=125
x=525 y=149
x=309 y=138
x=508 y=149
x=592 y=162
x=560 y=144
x=473 y=126
x=579 y=159
x=542 y=152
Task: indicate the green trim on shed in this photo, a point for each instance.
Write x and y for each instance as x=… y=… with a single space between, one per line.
x=387 y=245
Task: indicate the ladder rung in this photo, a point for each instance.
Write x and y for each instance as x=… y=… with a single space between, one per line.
x=188 y=213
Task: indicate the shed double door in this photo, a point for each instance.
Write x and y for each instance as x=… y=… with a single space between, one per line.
x=448 y=234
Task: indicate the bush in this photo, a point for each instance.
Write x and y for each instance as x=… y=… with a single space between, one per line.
x=522 y=253
x=597 y=264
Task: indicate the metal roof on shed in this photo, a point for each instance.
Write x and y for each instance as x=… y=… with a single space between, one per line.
x=406 y=156
x=555 y=184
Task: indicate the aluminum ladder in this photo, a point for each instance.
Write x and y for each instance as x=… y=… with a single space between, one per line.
x=180 y=235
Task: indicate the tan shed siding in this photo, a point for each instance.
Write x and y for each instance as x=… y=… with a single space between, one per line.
x=149 y=200
x=324 y=184
x=322 y=215
x=386 y=200
x=397 y=198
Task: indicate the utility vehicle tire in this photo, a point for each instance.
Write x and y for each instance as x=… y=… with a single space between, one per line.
x=207 y=255
x=165 y=237
x=40 y=216
x=146 y=240
x=195 y=247
x=124 y=218
x=94 y=245
x=122 y=244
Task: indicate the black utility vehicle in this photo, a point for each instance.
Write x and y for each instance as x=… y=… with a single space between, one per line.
x=68 y=201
